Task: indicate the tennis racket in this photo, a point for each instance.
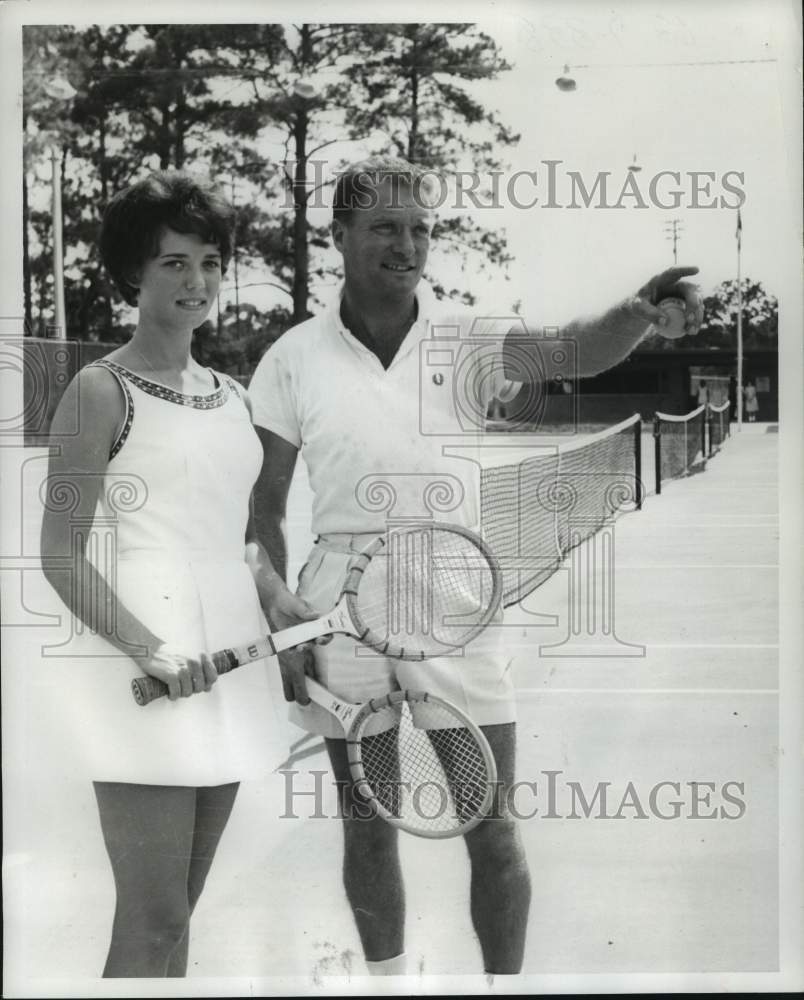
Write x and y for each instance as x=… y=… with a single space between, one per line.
x=420 y=763
x=413 y=593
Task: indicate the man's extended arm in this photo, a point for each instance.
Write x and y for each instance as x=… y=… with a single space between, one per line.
x=604 y=341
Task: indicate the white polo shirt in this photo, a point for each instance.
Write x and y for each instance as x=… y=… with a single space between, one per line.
x=374 y=440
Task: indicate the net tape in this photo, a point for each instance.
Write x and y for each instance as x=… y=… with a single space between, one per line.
x=681 y=442
x=719 y=427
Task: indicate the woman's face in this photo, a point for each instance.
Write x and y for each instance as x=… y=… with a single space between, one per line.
x=178 y=286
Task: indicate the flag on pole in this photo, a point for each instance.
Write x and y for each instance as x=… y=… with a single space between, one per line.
x=739 y=233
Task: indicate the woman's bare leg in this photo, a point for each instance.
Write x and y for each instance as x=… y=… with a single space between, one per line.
x=148 y=831
x=213 y=807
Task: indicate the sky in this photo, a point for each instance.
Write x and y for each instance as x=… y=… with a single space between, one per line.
x=724 y=119
x=717 y=118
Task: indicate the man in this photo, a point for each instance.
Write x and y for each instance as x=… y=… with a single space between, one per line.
x=352 y=389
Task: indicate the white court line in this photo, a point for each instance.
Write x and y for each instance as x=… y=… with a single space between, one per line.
x=603 y=690
x=731 y=526
x=650 y=646
x=663 y=566
x=747 y=519
x=726 y=518
x=712 y=487
x=712 y=645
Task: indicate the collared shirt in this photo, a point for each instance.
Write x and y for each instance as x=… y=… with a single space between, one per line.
x=374 y=439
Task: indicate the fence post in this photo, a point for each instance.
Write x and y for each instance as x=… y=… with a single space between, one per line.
x=657 y=437
x=638 y=463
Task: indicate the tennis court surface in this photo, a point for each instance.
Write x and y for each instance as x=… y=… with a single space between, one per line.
x=674 y=722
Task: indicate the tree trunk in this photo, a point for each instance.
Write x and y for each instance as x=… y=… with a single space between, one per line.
x=42 y=307
x=108 y=315
x=301 y=254
x=301 y=263
x=181 y=109
x=90 y=294
x=103 y=165
x=164 y=139
x=413 y=134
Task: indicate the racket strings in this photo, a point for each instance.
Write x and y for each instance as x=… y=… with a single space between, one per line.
x=430 y=591
x=432 y=778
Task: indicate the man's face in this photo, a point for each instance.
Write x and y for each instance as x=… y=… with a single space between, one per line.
x=385 y=245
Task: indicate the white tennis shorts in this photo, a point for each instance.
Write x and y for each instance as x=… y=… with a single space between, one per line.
x=477 y=680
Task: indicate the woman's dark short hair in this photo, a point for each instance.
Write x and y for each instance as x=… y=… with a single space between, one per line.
x=356 y=185
x=134 y=219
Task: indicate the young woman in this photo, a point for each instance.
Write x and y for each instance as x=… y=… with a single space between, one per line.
x=751 y=401
x=165 y=460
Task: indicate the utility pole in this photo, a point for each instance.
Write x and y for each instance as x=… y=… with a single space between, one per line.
x=673 y=228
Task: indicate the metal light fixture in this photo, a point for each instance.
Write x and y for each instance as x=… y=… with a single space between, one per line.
x=565 y=82
x=303 y=88
x=634 y=167
x=59 y=88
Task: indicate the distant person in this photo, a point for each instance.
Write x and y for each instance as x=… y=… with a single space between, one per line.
x=732 y=398
x=751 y=401
x=703 y=393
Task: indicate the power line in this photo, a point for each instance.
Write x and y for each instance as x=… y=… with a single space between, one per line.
x=702 y=62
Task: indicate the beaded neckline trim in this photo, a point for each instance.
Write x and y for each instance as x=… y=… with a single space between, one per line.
x=198 y=402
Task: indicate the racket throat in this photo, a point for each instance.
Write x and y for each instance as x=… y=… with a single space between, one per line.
x=345 y=711
x=337 y=621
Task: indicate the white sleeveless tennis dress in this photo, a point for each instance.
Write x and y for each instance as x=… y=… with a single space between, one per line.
x=176 y=497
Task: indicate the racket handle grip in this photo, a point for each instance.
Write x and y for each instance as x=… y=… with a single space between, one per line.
x=148 y=689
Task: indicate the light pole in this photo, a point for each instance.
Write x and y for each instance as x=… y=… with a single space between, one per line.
x=60 y=319
x=61 y=90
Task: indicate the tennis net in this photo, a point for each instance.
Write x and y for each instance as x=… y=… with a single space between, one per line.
x=679 y=442
x=719 y=428
x=533 y=511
